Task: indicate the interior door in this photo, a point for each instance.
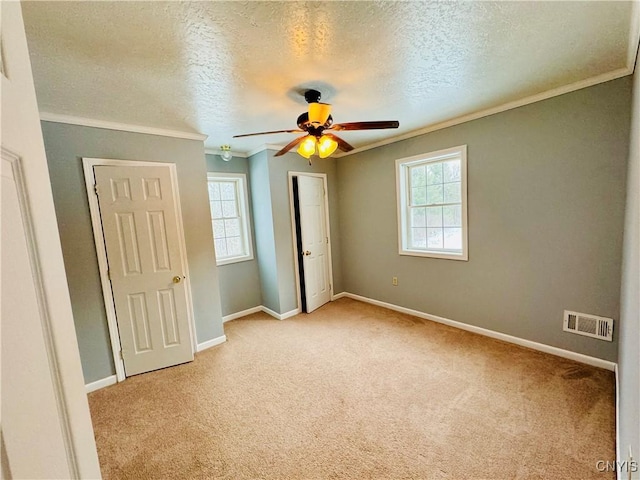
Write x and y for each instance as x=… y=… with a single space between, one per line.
x=139 y=222
x=315 y=241
x=45 y=426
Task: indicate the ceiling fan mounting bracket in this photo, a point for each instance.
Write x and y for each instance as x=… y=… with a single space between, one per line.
x=312 y=96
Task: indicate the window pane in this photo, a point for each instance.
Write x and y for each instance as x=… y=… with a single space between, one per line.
x=228 y=190
x=229 y=208
x=232 y=227
x=452 y=216
x=214 y=191
x=432 y=201
x=434 y=216
x=218 y=229
x=452 y=193
x=221 y=247
x=451 y=171
x=434 y=194
x=434 y=173
x=234 y=246
x=453 y=238
x=434 y=238
x=419 y=238
x=418 y=176
x=216 y=209
x=418 y=218
x=418 y=196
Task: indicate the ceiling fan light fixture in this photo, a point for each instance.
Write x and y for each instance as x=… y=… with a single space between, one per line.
x=326 y=146
x=308 y=146
x=319 y=113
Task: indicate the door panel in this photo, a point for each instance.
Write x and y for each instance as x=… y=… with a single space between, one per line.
x=141 y=235
x=314 y=241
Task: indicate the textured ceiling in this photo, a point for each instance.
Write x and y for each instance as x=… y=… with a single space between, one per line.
x=225 y=68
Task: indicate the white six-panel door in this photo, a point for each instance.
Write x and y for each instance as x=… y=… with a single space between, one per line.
x=315 y=241
x=140 y=227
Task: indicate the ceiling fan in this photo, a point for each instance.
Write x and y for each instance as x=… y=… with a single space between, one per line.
x=318 y=125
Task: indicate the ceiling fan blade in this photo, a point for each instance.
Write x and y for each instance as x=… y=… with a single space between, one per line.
x=290 y=145
x=342 y=145
x=268 y=133
x=365 y=125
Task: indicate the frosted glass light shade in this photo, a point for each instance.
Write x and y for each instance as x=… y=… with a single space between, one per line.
x=326 y=146
x=319 y=113
x=308 y=146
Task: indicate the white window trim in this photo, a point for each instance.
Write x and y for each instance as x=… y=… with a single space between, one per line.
x=402 y=193
x=243 y=198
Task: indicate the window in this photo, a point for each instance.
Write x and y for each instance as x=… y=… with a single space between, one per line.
x=230 y=217
x=432 y=204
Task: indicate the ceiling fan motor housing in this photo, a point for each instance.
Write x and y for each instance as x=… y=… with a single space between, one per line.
x=304 y=124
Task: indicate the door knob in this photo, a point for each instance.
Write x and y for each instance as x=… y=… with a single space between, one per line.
x=177 y=279
x=307 y=252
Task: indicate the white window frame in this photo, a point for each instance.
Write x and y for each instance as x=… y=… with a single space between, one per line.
x=403 y=189
x=240 y=179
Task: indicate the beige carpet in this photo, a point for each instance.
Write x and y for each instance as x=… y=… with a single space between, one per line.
x=357 y=391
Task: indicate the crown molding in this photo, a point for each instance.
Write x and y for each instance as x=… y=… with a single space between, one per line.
x=263 y=147
x=124 y=127
x=554 y=92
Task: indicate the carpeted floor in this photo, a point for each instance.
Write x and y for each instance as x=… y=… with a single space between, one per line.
x=357 y=391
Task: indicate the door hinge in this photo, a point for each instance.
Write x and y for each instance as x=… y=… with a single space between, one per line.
x=121 y=355
x=327 y=239
x=95 y=188
x=109 y=274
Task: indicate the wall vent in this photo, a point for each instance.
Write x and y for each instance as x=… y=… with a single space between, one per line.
x=589 y=325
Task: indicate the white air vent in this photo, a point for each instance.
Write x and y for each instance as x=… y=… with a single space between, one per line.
x=589 y=325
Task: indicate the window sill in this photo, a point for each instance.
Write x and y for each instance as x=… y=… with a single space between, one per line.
x=230 y=260
x=464 y=257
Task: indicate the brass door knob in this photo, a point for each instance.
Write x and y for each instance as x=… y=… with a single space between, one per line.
x=307 y=253
x=177 y=279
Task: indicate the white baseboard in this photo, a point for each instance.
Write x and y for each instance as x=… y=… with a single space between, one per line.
x=211 y=343
x=289 y=314
x=243 y=313
x=261 y=308
x=578 y=357
x=98 y=384
x=268 y=311
x=338 y=296
x=281 y=316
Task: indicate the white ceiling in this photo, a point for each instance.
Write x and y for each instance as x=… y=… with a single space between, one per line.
x=226 y=68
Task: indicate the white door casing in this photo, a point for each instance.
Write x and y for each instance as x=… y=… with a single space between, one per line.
x=146 y=267
x=315 y=240
x=46 y=427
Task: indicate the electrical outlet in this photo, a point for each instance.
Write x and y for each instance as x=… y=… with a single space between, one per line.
x=394 y=281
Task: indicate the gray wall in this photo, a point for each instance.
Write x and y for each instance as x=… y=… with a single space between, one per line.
x=272 y=215
x=546 y=207
x=263 y=230
x=65 y=145
x=239 y=282
x=629 y=327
